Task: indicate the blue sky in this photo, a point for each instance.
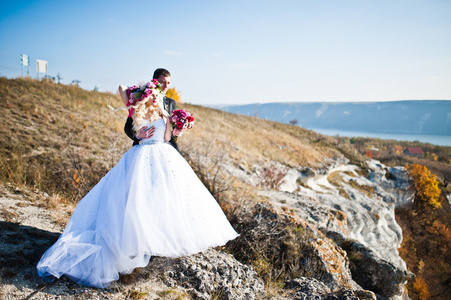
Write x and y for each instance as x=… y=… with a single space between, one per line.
x=237 y=52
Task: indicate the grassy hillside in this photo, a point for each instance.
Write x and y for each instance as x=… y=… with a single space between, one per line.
x=59 y=139
x=62 y=139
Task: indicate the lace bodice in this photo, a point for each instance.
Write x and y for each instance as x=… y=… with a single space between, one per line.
x=158 y=136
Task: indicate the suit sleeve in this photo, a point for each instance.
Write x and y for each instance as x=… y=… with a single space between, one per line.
x=171 y=106
x=128 y=128
x=174 y=105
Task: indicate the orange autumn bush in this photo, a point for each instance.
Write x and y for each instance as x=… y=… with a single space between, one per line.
x=425 y=186
x=421 y=287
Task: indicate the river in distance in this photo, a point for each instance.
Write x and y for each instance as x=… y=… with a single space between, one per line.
x=442 y=140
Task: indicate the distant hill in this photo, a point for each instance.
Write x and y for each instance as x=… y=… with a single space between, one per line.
x=404 y=117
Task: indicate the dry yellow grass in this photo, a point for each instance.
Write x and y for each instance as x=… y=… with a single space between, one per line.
x=63 y=139
x=50 y=132
x=254 y=140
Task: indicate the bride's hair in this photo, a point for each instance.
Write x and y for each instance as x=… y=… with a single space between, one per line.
x=144 y=111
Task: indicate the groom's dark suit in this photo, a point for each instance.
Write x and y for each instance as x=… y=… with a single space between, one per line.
x=169 y=105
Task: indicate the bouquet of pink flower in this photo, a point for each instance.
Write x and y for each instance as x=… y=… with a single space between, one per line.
x=181 y=120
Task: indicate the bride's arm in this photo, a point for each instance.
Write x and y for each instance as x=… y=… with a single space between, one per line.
x=168 y=131
x=122 y=89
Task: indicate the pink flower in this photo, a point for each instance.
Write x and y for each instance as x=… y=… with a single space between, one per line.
x=177 y=132
x=147 y=93
x=180 y=113
x=181 y=120
x=131 y=89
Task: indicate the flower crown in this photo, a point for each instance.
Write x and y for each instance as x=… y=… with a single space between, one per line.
x=136 y=93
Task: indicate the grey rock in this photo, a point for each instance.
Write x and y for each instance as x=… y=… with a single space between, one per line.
x=309 y=288
x=373 y=273
x=214 y=274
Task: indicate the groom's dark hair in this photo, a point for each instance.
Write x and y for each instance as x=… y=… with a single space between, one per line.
x=160 y=71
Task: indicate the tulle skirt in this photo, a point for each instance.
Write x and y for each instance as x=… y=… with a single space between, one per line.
x=150 y=204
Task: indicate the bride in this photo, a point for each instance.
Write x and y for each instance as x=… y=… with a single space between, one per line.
x=150 y=204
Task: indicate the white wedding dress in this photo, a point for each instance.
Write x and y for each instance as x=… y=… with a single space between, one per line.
x=150 y=204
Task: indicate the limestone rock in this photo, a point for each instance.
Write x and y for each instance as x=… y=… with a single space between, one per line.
x=345 y=205
x=214 y=274
x=373 y=273
x=391 y=183
x=308 y=288
x=333 y=264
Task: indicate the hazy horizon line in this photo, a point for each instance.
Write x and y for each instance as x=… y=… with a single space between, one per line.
x=329 y=102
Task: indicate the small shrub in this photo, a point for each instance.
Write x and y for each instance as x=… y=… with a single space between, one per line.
x=10 y=216
x=136 y=294
x=272 y=177
x=274 y=243
x=174 y=94
x=208 y=161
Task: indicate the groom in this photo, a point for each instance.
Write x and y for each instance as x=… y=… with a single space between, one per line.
x=164 y=78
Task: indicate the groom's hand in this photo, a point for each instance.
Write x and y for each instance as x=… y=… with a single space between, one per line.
x=146 y=132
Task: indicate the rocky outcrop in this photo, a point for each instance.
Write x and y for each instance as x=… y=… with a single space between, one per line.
x=293 y=247
x=391 y=183
x=213 y=274
x=372 y=272
x=332 y=262
x=357 y=213
x=308 y=288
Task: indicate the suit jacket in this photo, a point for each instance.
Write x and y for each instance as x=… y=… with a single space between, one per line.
x=169 y=105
